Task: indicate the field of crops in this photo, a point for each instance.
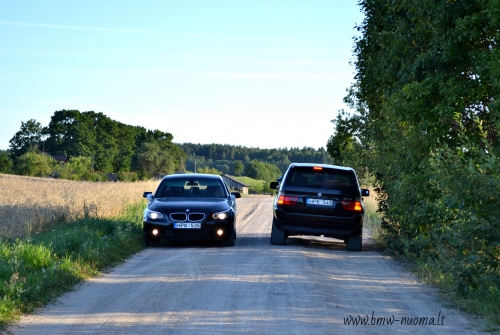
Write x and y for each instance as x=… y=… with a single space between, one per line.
x=29 y=205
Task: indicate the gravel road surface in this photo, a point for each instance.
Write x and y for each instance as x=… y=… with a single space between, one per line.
x=311 y=285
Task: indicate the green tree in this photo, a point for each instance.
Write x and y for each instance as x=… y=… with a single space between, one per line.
x=6 y=162
x=261 y=170
x=208 y=170
x=29 y=137
x=77 y=168
x=239 y=168
x=35 y=164
x=154 y=160
x=426 y=124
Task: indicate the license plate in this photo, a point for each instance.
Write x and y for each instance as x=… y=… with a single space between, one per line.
x=320 y=202
x=187 y=225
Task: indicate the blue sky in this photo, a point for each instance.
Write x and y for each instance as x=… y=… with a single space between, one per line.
x=268 y=74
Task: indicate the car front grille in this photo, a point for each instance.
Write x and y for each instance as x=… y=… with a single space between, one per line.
x=196 y=216
x=187 y=217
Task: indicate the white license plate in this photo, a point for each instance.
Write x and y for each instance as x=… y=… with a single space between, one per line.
x=187 y=225
x=320 y=202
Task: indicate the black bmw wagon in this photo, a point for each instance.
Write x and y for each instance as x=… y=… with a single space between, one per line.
x=190 y=207
x=319 y=199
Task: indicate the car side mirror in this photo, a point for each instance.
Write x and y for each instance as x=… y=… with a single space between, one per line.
x=365 y=192
x=236 y=194
x=145 y=194
x=274 y=185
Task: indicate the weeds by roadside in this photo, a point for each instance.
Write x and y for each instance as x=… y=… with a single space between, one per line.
x=432 y=273
x=41 y=267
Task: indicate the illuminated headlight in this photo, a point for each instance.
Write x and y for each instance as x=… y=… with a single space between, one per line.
x=154 y=215
x=220 y=216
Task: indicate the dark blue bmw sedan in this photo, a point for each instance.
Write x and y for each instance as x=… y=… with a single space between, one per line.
x=190 y=207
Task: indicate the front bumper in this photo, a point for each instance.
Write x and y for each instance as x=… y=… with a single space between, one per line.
x=208 y=231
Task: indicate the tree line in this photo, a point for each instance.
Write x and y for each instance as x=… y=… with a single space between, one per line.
x=224 y=157
x=95 y=142
x=426 y=126
x=95 y=145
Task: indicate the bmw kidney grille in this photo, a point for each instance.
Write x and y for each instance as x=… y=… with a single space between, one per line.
x=187 y=217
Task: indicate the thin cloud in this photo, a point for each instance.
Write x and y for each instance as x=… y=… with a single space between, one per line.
x=157 y=32
x=296 y=76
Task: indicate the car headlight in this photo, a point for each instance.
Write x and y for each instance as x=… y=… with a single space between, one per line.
x=155 y=215
x=220 y=216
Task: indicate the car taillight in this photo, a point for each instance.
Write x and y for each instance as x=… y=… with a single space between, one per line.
x=352 y=205
x=286 y=200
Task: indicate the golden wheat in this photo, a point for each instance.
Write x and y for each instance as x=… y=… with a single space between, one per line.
x=30 y=205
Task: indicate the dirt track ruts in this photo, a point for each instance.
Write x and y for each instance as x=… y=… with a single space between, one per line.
x=309 y=286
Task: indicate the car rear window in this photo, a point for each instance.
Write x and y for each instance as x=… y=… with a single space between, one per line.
x=321 y=178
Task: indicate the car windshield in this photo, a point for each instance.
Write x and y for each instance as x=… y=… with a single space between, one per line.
x=190 y=187
x=321 y=178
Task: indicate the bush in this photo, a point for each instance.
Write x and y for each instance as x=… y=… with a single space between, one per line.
x=128 y=176
x=35 y=164
x=6 y=163
x=261 y=170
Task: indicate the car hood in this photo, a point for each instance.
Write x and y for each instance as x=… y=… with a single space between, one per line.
x=169 y=205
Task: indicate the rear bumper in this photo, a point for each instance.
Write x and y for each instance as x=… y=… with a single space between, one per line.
x=329 y=226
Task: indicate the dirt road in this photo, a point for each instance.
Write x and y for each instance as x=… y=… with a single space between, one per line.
x=309 y=286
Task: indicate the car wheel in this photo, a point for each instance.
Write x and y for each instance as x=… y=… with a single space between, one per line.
x=355 y=242
x=278 y=236
x=229 y=242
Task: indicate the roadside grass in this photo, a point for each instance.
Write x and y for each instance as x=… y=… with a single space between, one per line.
x=432 y=273
x=41 y=267
x=255 y=184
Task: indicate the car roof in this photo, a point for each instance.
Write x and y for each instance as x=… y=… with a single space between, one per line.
x=192 y=175
x=328 y=166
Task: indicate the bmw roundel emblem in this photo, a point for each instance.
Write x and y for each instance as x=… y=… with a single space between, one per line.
x=188 y=210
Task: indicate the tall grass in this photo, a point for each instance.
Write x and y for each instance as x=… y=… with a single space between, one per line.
x=30 y=205
x=38 y=269
x=372 y=216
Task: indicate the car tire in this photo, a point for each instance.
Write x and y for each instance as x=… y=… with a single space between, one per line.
x=354 y=243
x=229 y=242
x=278 y=236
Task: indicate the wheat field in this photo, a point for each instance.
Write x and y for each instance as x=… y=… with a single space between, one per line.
x=29 y=205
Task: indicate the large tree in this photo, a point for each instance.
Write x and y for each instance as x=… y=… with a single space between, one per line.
x=426 y=123
x=154 y=159
x=29 y=137
x=112 y=145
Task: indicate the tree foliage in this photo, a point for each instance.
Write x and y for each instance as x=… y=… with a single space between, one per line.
x=35 y=164
x=155 y=159
x=6 y=162
x=29 y=137
x=218 y=155
x=111 y=145
x=77 y=168
x=262 y=171
x=426 y=124
x=238 y=168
